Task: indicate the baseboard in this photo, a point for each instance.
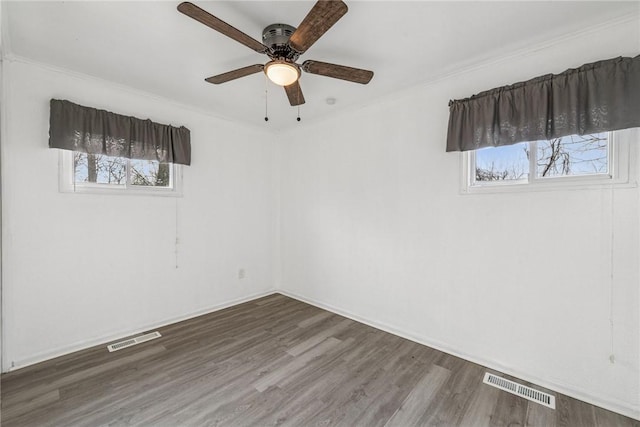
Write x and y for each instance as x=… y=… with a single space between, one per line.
x=105 y=339
x=615 y=406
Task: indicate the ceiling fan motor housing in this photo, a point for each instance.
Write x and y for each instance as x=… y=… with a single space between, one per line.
x=276 y=36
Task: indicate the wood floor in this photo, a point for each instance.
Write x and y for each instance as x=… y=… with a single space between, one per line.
x=273 y=361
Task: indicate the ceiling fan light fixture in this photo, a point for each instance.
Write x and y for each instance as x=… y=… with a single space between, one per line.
x=282 y=73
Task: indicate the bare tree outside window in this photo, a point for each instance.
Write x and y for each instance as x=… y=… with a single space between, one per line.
x=101 y=169
x=574 y=155
x=150 y=173
x=508 y=163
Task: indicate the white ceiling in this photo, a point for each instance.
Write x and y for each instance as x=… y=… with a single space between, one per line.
x=150 y=46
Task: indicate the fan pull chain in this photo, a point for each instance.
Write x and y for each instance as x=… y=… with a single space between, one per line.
x=266 y=99
x=298 y=119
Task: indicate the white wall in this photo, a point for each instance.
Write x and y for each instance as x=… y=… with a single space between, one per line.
x=374 y=226
x=80 y=269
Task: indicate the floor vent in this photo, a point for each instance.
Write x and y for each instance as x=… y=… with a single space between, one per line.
x=520 y=390
x=133 y=341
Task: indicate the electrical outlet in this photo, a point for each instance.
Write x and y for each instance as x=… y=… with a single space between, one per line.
x=242 y=273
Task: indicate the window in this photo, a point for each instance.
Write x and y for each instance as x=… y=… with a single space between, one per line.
x=98 y=173
x=575 y=160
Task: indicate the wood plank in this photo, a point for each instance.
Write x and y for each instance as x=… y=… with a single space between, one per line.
x=296 y=364
x=481 y=408
x=318 y=338
x=509 y=410
x=273 y=361
x=315 y=319
x=413 y=408
x=453 y=399
x=15 y=409
x=607 y=418
x=541 y=416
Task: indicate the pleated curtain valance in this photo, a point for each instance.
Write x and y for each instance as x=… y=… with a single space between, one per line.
x=89 y=130
x=597 y=97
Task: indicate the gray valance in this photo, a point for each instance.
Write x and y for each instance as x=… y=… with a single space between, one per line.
x=598 y=97
x=89 y=130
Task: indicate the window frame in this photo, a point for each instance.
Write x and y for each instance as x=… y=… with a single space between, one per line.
x=620 y=152
x=67 y=184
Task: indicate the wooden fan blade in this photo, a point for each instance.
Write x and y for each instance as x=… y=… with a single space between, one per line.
x=235 y=74
x=342 y=72
x=200 y=15
x=294 y=93
x=320 y=18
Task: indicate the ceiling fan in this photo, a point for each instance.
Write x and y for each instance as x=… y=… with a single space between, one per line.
x=283 y=44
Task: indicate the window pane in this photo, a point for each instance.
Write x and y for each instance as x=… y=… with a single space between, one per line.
x=573 y=155
x=508 y=163
x=99 y=169
x=150 y=173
